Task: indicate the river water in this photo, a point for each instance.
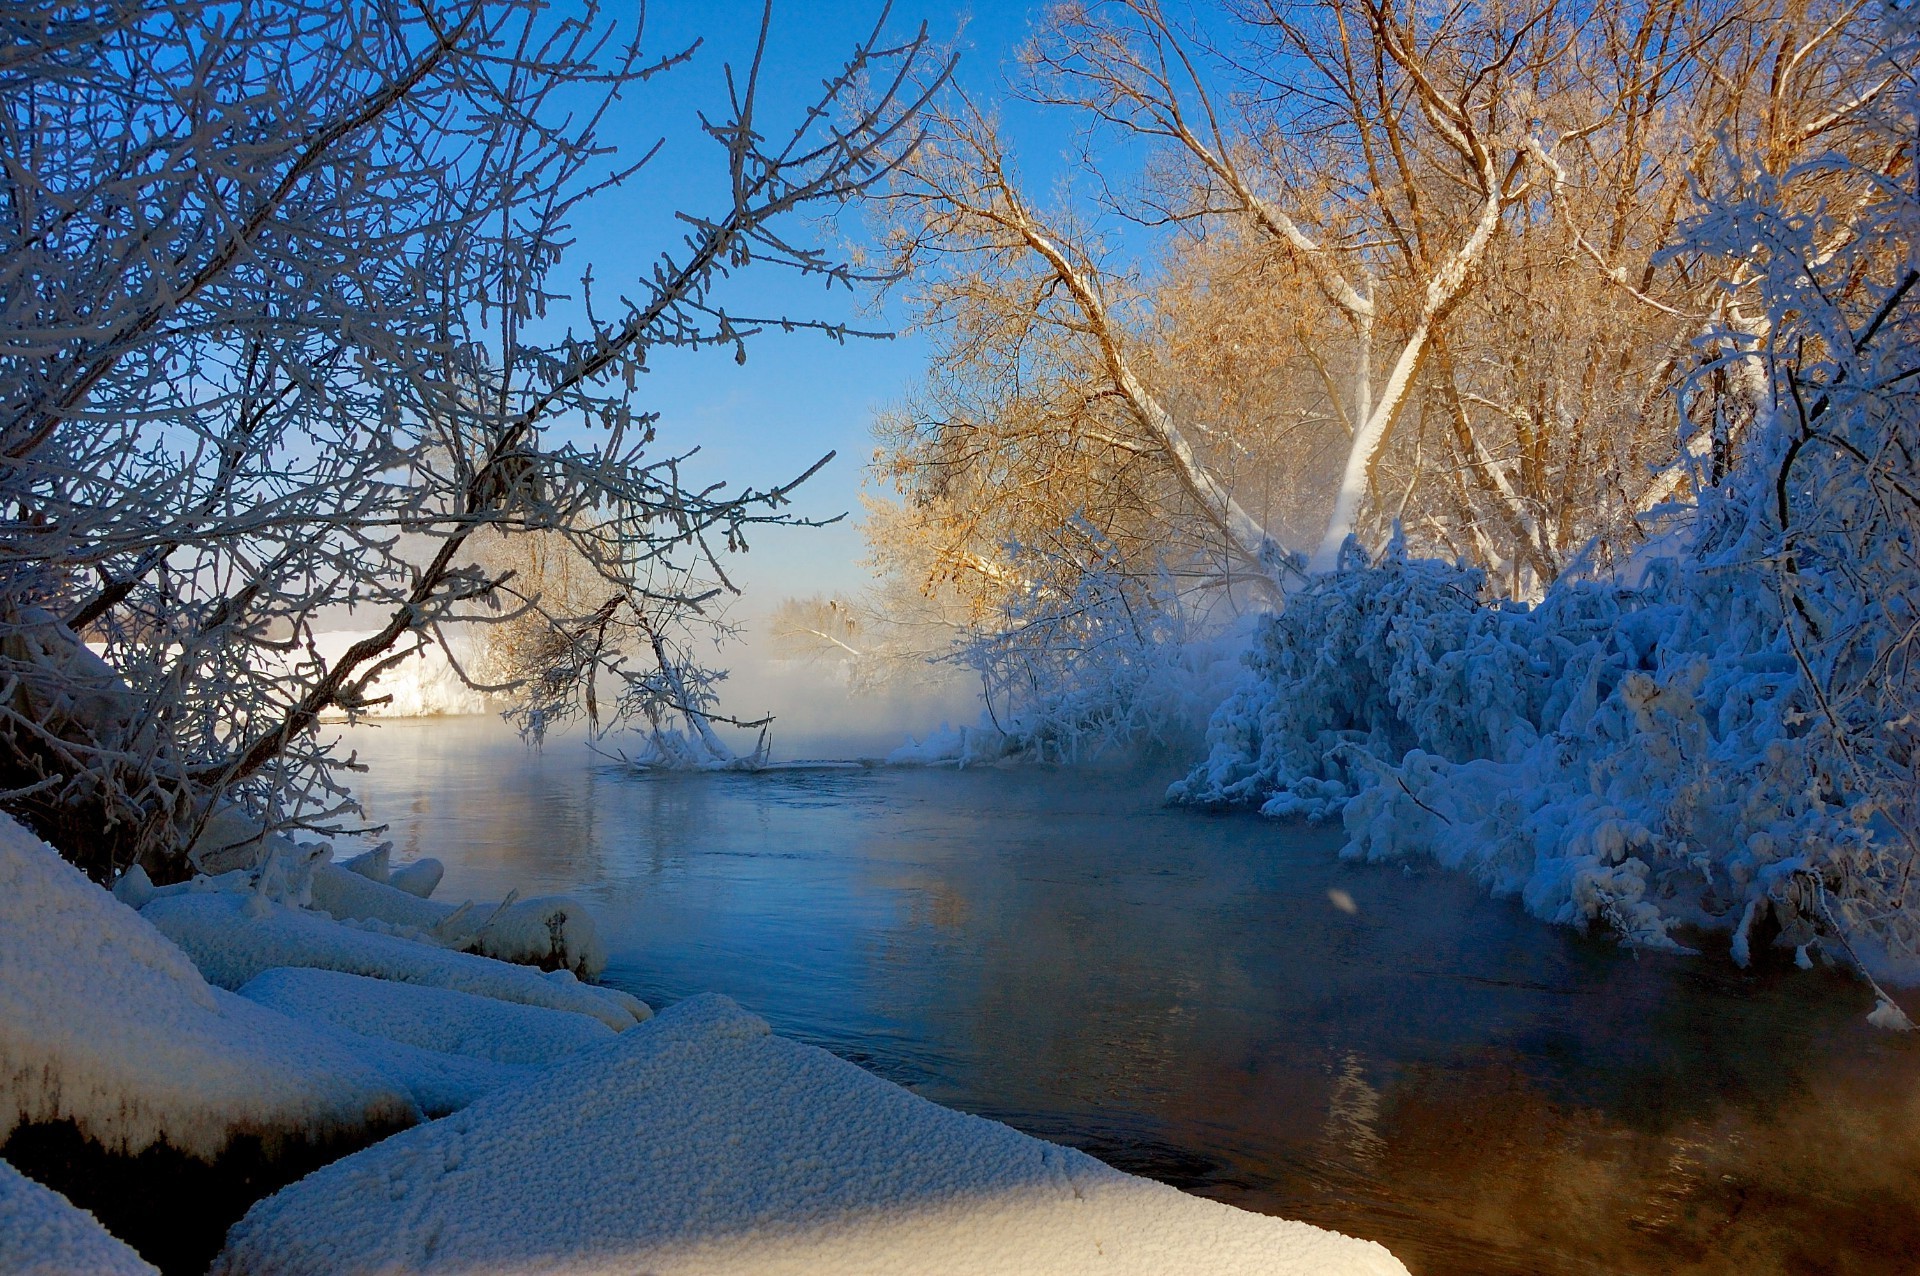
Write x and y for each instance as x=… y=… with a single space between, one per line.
x=1219 y=1002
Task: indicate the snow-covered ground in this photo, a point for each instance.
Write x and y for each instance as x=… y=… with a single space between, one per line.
x=42 y=1234
x=582 y=1136
x=700 y=1142
x=106 y=1023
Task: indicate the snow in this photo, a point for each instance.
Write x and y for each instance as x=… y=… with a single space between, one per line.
x=700 y=1142
x=436 y=1019
x=43 y=1234
x=554 y=931
x=232 y=937
x=436 y=1082
x=1616 y=755
x=106 y=1023
x=422 y=877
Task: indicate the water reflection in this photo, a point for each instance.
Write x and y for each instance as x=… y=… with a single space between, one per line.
x=1220 y=1003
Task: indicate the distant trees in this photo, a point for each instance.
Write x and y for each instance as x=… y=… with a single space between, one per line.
x=279 y=331
x=1411 y=266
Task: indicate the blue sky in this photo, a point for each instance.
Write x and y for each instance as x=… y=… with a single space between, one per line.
x=801 y=395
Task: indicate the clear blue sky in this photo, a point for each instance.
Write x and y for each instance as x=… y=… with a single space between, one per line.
x=800 y=395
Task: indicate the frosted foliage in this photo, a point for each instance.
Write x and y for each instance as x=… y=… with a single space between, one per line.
x=106 y=1023
x=1071 y=671
x=1723 y=733
x=43 y=1234
x=700 y=1142
x=437 y=1019
x=233 y=937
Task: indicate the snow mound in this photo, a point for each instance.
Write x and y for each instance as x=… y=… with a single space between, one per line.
x=233 y=937
x=436 y=1019
x=553 y=932
x=702 y=1143
x=43 y=1234
x=105 y=1023
x=437 y=1082
x=948 y=745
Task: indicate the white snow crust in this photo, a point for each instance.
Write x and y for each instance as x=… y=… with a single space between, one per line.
x=700 y=1142
x=44 y=1234
x=233 y=937
x=106 y=1023
x=551 y=931
x=435 y=1019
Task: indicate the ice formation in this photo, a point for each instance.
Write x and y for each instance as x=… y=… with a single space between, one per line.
x=553 y=932
x=702 y=1143
x=106 y=1023
x=233 y=936
x=44 y=1234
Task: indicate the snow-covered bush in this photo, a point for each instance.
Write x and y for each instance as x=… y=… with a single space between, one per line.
x=1723 y=733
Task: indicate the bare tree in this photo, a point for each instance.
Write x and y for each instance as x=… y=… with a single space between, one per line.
x=279 y=312
x=1431 y=239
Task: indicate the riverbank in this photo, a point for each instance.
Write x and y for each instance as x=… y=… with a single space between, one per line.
x=556 y=1126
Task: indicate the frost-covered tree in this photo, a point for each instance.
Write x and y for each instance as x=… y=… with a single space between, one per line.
x=1413 y=270
x=1721 y=735
x=1333 y=268
x=282 y=331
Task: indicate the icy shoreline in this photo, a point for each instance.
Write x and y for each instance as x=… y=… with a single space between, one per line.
x=576 y=1133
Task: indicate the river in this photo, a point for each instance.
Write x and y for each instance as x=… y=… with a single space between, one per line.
x=1219 y=1002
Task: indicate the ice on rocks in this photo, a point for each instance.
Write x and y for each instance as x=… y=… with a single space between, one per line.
x=44 y=1234
x=233 y=937
x=420 y=878
x=106 y=1023
x=554 y=932
x=435 y=1019
x=702 y=1143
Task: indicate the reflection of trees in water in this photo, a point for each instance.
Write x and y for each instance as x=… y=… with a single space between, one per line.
x=1483 y=1173
x=1353 y=1113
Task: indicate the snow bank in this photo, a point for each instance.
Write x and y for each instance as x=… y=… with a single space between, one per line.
x=948 y=745
x=436 y=1019
x=553 y=932
x=233 y=937
x=702 y=1143
x=105 y=1023
x=43 y=1234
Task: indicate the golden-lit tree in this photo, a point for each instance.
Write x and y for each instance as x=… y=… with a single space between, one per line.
x=1414 y=269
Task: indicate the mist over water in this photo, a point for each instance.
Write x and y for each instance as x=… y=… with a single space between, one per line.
x=1219 y=1002
x=815 y=713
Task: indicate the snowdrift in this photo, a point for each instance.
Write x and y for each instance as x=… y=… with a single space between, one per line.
x=553 y=932
x=433 y=1019
x=43 y=1234
x=701 y=1142
x=106 y=1023
x=233 y=937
